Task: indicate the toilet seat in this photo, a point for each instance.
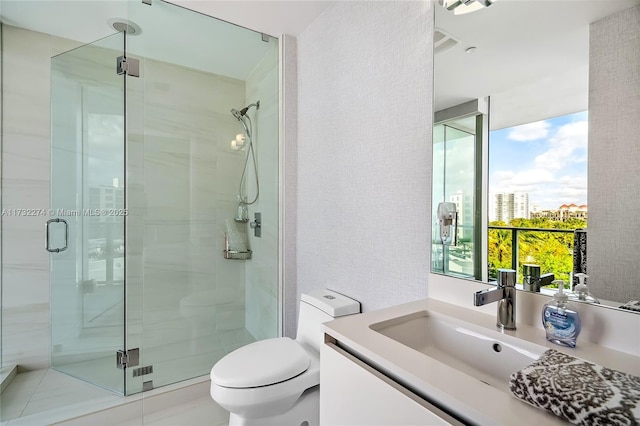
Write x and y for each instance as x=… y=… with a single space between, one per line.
x=261 y=363
x=271 y=399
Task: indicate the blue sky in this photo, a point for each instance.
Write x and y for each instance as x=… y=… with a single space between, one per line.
x=547 y=159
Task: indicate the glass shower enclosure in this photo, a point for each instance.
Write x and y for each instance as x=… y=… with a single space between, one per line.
x=144 y=183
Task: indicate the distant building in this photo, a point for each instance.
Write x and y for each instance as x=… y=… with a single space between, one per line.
x=563 y=213
x=107 y=198
x=509 y=206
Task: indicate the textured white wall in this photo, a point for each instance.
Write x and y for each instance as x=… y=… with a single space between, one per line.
x=614 y=149
x=364 y=151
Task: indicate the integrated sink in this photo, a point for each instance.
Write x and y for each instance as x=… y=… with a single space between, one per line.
x=486 y=355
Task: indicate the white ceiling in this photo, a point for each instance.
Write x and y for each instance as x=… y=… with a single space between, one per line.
x=269 y=17
x=82 y=20
x=171 y=33
x=532 y=57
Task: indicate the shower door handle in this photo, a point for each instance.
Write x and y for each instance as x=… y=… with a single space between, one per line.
x=66 y=235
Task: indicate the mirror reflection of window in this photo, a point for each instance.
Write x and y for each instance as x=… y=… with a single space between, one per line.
x=552 y=67
x=537 y=180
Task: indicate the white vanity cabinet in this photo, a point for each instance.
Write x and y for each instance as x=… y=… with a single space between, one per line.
x=353 y=393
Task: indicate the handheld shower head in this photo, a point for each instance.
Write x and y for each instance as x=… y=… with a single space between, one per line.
x=239 y=114
x=243 y=214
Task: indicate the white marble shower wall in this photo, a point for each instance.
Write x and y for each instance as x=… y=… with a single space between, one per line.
x=25 y=185
x=262 y=270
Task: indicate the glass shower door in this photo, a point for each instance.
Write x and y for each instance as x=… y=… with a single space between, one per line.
x=85 y=231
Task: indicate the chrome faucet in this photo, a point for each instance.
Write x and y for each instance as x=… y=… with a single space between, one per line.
x=532 y=280
x=505 y=295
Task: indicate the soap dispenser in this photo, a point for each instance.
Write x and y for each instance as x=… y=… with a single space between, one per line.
x=581 y=291
x=560 y=321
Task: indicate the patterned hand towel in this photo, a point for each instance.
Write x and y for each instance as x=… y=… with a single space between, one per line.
x=579 y=391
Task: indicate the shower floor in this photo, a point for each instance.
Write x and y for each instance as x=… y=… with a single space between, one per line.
x=38 y=391
x=46 y=397
x=55 y=396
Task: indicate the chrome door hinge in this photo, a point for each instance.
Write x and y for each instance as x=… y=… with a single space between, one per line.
x=128 y=66
x=126 y=359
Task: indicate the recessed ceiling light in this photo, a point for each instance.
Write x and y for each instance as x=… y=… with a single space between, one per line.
x=471 y=49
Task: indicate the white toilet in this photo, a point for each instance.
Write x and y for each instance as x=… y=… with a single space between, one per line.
x=275 y=381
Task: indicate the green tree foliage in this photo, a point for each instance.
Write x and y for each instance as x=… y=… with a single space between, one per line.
x=553 y=251
x=499 y=249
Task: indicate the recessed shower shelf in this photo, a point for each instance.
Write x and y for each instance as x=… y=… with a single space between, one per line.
x=237 y=255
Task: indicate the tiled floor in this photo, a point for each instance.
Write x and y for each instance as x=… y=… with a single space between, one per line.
x=32 y=396
x=42 y=390
x=202 y=411
x=48 y=397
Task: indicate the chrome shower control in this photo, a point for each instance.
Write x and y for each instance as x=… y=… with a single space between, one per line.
x=256 y=225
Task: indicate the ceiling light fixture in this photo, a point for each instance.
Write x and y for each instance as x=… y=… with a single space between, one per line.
x=460 y=7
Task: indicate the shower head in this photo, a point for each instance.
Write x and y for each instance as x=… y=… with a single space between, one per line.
x=239 y=114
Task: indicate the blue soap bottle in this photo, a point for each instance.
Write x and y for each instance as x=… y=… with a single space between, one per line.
x=560 y=321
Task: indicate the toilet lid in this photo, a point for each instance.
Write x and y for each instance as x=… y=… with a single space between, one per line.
x=261 y=363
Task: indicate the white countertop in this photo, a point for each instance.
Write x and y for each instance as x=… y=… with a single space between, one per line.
x=472 y=399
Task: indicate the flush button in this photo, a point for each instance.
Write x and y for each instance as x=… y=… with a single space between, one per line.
x=328 y=296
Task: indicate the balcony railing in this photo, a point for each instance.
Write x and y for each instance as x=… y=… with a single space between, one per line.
x=562 y=241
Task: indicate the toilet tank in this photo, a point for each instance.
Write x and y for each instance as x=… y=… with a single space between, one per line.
x=320 y=306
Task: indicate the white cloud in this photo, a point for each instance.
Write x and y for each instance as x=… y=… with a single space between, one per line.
x=530 y=132
x=576 y=132
x=554 y=196
x=547 y=178
x=573 y=182
x=525 y=181
x=533 y=177
x=545 y=190
x=503 y=175
x=564 y=143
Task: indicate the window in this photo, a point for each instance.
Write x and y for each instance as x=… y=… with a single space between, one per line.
x=537 y=180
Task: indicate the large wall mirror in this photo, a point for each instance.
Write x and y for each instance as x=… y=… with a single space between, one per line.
x=536 y=137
